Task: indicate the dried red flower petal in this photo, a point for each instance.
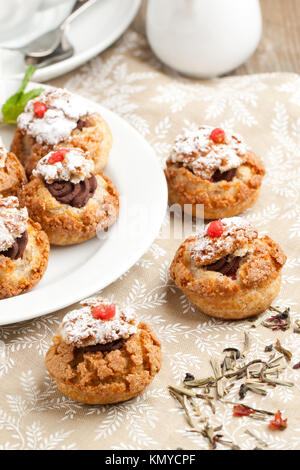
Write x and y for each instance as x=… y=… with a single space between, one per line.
x=39 y=109
x=104 y=312
x=240 y=410
x=218 y=136
x=215 y=229
x=278 y=422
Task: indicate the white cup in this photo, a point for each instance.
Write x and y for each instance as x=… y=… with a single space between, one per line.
x=14 y=14
x=203 y=38
x=46 y=4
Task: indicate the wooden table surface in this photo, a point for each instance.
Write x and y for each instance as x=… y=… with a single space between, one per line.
x=279 y=49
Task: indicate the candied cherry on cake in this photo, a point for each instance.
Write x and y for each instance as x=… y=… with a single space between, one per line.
x=215 y=229
x=218 y=135
x=39 y=109
x=104 y=312
x=58 y=156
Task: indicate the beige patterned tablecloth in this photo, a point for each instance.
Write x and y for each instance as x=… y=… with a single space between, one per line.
x=265 y=109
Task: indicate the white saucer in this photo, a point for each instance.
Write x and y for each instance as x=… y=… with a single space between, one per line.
x=78 y=271
x=93 y=31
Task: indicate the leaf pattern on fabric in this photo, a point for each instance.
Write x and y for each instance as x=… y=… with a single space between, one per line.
x=129 y=80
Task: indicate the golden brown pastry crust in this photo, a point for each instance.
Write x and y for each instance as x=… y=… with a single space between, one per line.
x=12 y=176
x=257 y=281
x=66 y=225
x=221 y=199
x=99 y=378
x=19 y=276
x=96 y=139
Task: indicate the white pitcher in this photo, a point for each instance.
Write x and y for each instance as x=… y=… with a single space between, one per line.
x=203 y=38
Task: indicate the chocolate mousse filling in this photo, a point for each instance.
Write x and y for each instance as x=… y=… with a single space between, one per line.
x=218 y=175
x=226 y=175
x=108 y=347
x=227 y=266
x=81 y=123
x=74 y=194
x=17 y=249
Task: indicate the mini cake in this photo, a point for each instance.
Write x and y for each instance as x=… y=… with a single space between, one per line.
x=70 y=200
x=24 y=249
x=213 y=168
x=58 y=118
x=102 y=355
x=229 y=271
x=12 y=173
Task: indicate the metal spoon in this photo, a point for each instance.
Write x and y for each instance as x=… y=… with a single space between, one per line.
x=63 y=51
x=55 y=40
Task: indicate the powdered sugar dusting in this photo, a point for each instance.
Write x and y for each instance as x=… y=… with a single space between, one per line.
x=75 y=167
x=237 y=235
x=13 y=221
x=80 y=328
x=3 y=154
x=197 y=151
x=63 y=112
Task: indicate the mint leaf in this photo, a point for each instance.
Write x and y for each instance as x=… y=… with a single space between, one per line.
x=12 y=109
x=28 y=74
x=15 y=105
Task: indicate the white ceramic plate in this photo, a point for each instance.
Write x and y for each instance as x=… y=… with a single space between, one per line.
x=78 y=271
x=91 y=33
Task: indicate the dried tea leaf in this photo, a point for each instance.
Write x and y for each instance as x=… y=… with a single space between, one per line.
x=246 y=344
x=258 y=417
x=256 y=389
x=212 y=406
x=297 y=326
x=182 y=399
x=236 y=353
x=274 y=382
x=258 y=440
x=187 y=412
x=257 y=373
x=218 y=374
x=201 y=382
x=196 y=410
x=243 y=370
x=258 y=320
x=182 y=391
x=263 y=412
x=189 y=377
x=209 y=433
x=281 y=321
x=226 y=443
x=249 y=387
x=274 y=359
x=243 y=391
x=228 y=364
x=283 y=314
x=288 y=355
